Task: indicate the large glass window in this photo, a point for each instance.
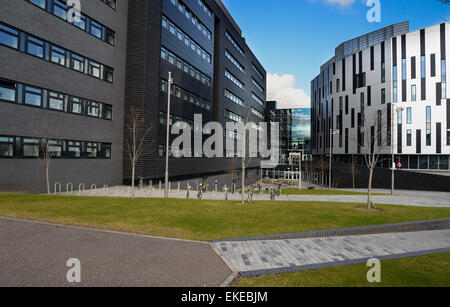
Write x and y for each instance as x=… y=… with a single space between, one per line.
x=56 y=101
x=91 y=150
x=93 y=109
x=35 y=47
x=108 y=74
x=60 y=9
x=77 y=62
x=7 y=91
x=6 y=147
x=9 y=36
x=58 y=55
x=33 y=96
x=94 y=69
x=443 y=162
x=74 y=149
x=107 y=111
x=31 y=148
x=55 y=148
x=76 y=105
x=106 y=150
x=96 y=29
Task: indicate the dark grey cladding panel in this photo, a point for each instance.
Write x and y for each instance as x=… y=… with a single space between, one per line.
x=187 y=26
x=173 y=44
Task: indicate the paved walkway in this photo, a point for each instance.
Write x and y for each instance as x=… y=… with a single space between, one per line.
x=254 y=258
x=35 y=254
x=401 y=197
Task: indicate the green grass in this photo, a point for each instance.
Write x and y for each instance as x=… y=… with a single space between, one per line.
x=423 y=271
x=204 y=220
x=320 y=192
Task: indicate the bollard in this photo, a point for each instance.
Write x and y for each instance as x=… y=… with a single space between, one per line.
x=71 y=188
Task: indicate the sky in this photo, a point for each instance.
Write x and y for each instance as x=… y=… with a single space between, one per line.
x=293 y=38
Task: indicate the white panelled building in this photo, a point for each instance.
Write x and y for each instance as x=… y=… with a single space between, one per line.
x=391 y=76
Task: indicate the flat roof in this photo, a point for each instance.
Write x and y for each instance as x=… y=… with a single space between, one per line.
x=227 y=13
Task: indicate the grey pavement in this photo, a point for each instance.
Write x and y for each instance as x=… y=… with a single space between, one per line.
x=35 y=254
x=254 y=258
x=401 y=197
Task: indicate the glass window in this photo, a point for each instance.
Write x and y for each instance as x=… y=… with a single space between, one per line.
x=31 y=148
x=383 y=96
x=106 y=149
x=74 y=149
x=409 y=137
x=81 y=23
x=58 y=55
x=108 y=74
x=443 y=162
x=91 y=150
x=93 y=109
x=6 y=147
x=409 y=115
x=7 y=91
x=35 y=47
x=76 y=105
x=77 y=62
x=110 y=36
x=413 y=92
x=403 y=69
x=33 y=96
x=40 y=3
x=96 y=29
x=9 y=36
x=423 y=67
x=60 y=9
x=107 y=111
x=94 y=69
x=56 y=101
x=55 y=148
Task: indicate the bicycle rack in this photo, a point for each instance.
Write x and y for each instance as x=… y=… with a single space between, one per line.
x=58 y=184
x=81 y=185
x=94 y=188
x=71 y=188
x=105 y=189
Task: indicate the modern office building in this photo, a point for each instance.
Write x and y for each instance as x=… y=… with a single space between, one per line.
x=74 y=82
x=393 y=77
x=294 y=130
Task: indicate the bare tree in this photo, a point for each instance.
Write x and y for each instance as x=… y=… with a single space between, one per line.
x=134 y=142
x=354 y=171
x=373 y=142
x=48 y=150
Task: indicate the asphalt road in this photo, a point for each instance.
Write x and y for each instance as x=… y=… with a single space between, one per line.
x=36 y=254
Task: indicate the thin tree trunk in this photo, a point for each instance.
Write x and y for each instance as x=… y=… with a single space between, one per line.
x=353 y=172
x=132 y=180
x=47 y=178
x=369 y=190
x=243 y=181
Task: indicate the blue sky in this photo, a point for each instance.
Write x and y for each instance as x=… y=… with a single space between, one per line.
x=295 y=37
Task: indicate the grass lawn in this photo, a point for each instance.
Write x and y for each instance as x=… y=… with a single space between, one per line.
x=423 y=271
x=204 y=220
x=320 y=192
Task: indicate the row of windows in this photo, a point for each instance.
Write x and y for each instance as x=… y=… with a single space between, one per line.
x=256 y=84
x=173 y=119
x=47 y=51
x=11 y=91
x=184 y=66
x=25 y=147
x=257 y=113
x=233 y=42
x=111 y=3
x=185 y=95
x=234 y=79
x=189 y=15
x=87 y=24
x=260 y=75
x=257 y=99
x=232 y=116
x=234 y=61
x=205 y=8
x=234 y=98
x=172 y=28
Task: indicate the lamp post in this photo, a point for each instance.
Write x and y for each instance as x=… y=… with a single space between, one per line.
x=332 y=132
x=399 y=109
x=166 y=186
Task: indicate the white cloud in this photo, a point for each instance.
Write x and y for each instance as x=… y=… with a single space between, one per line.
x=282 y=89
